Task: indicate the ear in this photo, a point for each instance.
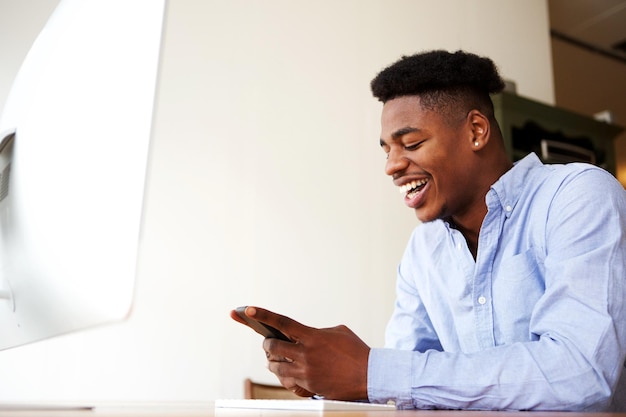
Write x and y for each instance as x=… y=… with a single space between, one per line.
x=479 y=129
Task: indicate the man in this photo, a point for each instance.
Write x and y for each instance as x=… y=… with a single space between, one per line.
x=510 y=295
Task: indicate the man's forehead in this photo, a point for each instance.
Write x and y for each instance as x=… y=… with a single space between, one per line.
x=399 y=113
x=402 y=107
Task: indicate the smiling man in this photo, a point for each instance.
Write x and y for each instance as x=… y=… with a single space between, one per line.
x=509 y=294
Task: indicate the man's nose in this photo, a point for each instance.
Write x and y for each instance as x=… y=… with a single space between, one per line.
x=396 y=162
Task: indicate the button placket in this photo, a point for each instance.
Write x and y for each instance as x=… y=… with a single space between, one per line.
x=483 y=311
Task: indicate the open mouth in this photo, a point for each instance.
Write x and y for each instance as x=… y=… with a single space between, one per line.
x=412 y=188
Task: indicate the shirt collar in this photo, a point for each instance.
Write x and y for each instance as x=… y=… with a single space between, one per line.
x=508 y=188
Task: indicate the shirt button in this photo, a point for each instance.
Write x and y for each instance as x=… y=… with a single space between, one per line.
x=391 y=402
x=482 y=300
x=459 y=246
x=508 y=209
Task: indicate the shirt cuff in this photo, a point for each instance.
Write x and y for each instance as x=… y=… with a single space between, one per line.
x=389 y=377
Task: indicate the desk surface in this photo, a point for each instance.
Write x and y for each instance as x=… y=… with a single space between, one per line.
x=208 y=410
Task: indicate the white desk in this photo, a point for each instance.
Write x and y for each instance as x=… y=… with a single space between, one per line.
x=208 y=410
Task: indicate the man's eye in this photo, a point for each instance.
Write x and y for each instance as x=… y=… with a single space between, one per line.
x=413 y=146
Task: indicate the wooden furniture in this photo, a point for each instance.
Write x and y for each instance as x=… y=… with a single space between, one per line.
x=514 y=113
x=258 y=391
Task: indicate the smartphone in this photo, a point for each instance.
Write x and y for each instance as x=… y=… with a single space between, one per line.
x=263 y=329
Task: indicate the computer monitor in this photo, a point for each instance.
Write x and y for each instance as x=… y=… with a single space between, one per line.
x=74 y=148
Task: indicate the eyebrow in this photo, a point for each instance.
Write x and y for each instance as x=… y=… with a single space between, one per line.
x=399 y=133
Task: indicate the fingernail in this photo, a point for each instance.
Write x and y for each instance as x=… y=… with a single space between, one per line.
x=251 y=311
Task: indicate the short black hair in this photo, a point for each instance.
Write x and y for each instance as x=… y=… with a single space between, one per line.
x=443 y=80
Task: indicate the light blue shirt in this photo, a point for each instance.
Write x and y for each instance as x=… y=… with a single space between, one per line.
x=538 y=321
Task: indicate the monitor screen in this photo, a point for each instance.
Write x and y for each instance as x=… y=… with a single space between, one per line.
x=74 y=149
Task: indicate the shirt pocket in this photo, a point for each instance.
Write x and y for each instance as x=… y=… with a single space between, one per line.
x=518 y=267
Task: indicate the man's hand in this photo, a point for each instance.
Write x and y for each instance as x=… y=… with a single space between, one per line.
x=329 y=362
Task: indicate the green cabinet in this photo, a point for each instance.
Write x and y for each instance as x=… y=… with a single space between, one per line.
x=528 y=125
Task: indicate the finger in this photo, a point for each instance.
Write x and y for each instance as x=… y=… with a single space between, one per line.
x=281 y=351
x=283 y=370
x=292 y=385
x=288 y=326
x=276 y=358
x=302 y=392
x=235 y=316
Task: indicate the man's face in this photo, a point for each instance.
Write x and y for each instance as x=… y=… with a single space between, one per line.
x=428 y=159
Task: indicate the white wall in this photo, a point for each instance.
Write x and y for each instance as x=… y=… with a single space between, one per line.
x=266 y=184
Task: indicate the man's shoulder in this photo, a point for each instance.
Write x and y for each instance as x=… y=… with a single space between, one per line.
x=575 y=193
x=581 y=178
x=531 y=173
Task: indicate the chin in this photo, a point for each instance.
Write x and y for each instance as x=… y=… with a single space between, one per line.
x=426 y=216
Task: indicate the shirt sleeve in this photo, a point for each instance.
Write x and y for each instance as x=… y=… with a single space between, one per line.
x=575 y=355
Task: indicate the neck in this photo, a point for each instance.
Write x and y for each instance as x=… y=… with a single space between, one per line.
x=471 y=220
x=470 y=229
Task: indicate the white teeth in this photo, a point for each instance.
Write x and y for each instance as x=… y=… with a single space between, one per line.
x=411 y=185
